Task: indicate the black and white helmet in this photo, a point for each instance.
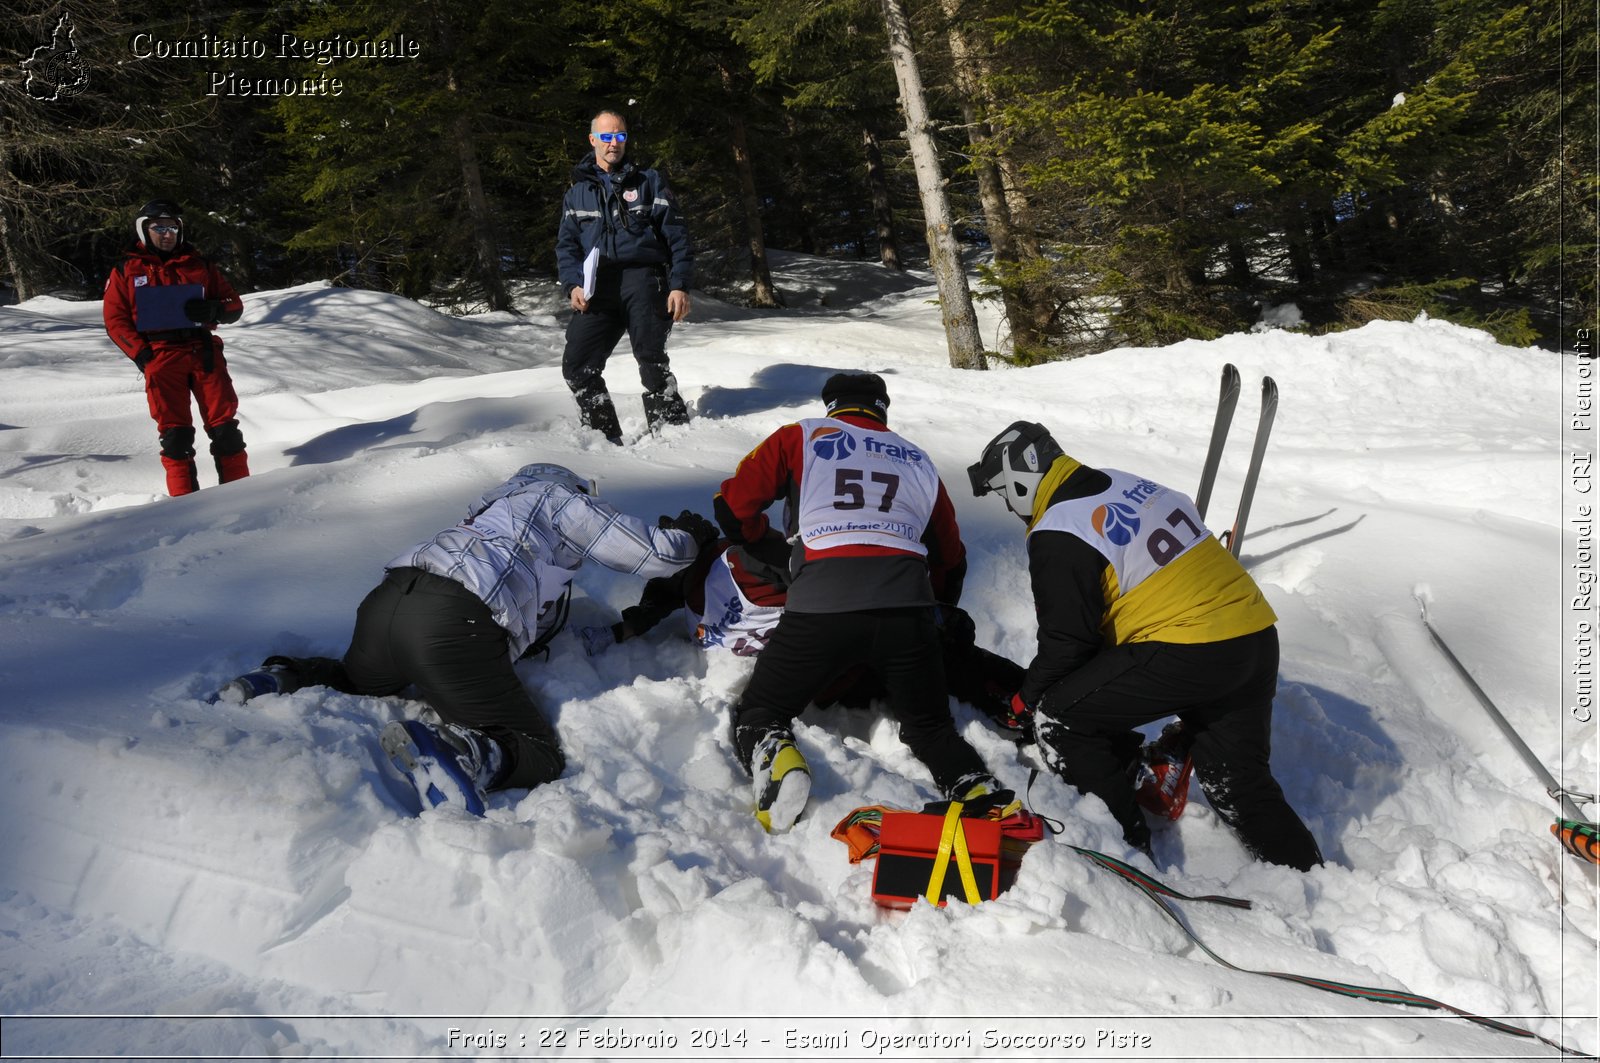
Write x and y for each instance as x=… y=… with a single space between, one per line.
x=1013 y=464
x=157 y=208
x=560 y=474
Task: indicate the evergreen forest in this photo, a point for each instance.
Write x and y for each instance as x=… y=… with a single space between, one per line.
x=1111 y=172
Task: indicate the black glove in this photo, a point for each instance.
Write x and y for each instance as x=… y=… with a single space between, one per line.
x=144 y=358
x=989 y=806
x=202 y=311
x=705 y=533
x=956 y=627
x=996 y=805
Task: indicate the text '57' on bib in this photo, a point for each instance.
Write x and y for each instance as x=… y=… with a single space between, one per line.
x=863 y=487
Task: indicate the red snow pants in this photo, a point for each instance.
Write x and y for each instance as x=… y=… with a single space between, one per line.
x=177 y=372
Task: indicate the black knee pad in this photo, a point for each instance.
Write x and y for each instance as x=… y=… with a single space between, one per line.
x=178 y=443
x=225 y=439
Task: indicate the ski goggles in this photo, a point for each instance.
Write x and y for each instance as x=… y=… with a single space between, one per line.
x=985 y=474
x=1015 y=446
x=606 y=138
x=164 y=230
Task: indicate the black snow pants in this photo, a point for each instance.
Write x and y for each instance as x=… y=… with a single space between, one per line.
x=1223 y=693
x=900 y=646
x=419 y=629
x=631 y=299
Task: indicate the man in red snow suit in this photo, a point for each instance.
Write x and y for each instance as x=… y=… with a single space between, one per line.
x=163 y=302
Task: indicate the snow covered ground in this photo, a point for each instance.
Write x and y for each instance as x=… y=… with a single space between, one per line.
x=191 y=879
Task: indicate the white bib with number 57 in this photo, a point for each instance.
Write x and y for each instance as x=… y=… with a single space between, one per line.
x=860 y=487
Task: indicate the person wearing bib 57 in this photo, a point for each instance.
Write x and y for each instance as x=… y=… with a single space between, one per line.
x=877 y=548
x=1143 y=614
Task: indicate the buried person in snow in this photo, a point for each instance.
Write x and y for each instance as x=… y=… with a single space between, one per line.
x=454 y=614
x=733 y=600
x=877 y=548
x=1143 y=615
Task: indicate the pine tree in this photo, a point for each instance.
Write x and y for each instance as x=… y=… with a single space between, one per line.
x=1161 y=139
x=78 y=126
x=408 y=177
x=838 y=95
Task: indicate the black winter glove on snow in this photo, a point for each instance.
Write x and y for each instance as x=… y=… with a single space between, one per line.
x=705 y=533
x=956 y=626
x=144 y=358
x=202 y=311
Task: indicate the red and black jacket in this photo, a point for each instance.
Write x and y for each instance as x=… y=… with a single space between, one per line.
x=843 y=578
x=184 y=265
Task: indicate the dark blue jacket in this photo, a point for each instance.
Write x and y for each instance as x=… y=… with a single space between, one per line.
x=636 y=223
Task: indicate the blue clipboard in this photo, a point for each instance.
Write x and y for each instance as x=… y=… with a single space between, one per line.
x=159 y=307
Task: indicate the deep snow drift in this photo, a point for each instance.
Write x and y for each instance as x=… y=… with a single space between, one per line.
x=168 y=857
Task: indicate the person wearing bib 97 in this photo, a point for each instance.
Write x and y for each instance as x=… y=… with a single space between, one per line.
x=878 y=547
x=1143 y=614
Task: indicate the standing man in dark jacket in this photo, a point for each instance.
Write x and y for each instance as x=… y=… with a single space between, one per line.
x=1142 y=615
x=878 y=547
x=162 y=304
x=625 y=265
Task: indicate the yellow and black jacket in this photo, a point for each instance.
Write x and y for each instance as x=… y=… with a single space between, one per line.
x=1116 y=559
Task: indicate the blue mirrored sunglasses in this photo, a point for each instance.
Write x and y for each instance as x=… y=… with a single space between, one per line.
x=163 y=229
x=606 y=138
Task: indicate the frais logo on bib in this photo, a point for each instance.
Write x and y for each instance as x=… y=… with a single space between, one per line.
x=1117 y=522
x=831 y=444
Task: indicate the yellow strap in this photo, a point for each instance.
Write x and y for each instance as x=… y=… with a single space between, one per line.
x=941 y=862
x=969 y=881
x=952 y=838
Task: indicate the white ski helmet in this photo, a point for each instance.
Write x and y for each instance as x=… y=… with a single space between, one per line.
x=1013 y=464
x=157 y=208
x=559 y=474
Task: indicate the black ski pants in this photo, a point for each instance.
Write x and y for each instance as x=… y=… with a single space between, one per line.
x=631 y=299
x=900 y=646
x=1223 y=693
x=416 y=628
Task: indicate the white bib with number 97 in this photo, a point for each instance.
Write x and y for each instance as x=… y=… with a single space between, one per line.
x=1140 y=526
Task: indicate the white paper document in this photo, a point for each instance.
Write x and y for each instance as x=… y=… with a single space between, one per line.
x=591 y=266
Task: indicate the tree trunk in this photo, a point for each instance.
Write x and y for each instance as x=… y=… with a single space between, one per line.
x=1239 y=274
x=1020 y=311
x=944 y=253
x=764 y=294
x=483 y=227
x=882 y=211
x=800 y=209
x=982 y=73
x=484 y=238
x=10 y=232
x=1022 y=227
x=14 y=264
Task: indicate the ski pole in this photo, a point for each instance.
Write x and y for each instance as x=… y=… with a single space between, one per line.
x=1553 y=788
x=1226 y=401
